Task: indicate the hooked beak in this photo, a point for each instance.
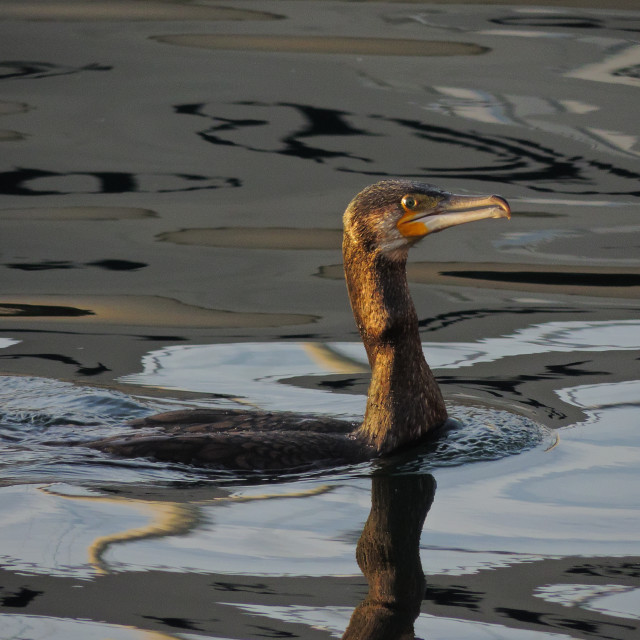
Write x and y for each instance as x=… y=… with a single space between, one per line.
x=452 y=210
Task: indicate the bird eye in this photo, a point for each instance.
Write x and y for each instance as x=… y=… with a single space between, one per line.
x=409 y=202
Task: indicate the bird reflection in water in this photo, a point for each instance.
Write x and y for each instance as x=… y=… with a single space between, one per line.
x=389 y=556
x=387 y=551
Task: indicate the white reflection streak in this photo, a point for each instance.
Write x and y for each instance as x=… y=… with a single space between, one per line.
x=533 y=112
x=623 y=604
x=594 y=396
x=41 y=627
x=612 y=68
x=570 y=595
x=558 y=337
x=334 y=620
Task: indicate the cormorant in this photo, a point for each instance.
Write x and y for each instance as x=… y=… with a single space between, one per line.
x=404 y=405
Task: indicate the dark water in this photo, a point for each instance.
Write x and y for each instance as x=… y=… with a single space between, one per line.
x=173 y=177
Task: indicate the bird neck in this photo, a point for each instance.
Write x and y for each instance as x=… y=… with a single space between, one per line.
x=404 y=401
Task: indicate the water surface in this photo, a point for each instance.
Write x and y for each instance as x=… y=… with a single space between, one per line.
x=173 y=177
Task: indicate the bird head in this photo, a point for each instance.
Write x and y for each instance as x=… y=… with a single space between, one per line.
x=390 y=216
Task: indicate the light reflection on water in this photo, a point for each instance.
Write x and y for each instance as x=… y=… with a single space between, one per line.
x=481 y=499
x=335 y=619
x=252 y=372
x=50 y=628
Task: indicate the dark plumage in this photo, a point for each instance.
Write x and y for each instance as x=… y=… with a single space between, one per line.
x=404 y=403
x=241 y=440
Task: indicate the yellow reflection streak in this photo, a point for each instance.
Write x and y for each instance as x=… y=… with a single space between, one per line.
x=556 y=442
x=331 y=360
x=166 y=518
x=148 y=635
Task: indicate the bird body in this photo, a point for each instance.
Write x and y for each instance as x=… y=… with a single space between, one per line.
x=404 y=403
x=242 y=440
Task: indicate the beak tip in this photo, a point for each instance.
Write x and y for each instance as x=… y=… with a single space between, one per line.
x=503 y=205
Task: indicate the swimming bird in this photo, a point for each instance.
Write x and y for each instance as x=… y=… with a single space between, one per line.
x=404 y=403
